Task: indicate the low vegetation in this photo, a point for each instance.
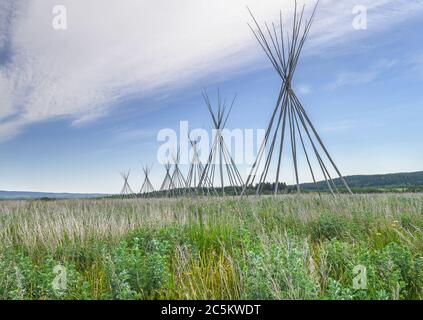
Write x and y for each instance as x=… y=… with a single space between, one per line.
x=291 y=247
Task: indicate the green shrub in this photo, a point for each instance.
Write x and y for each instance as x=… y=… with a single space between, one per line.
x=329 y=226
x=139 y=269
x=21 y=278
x=279 y=271
x=393 y=272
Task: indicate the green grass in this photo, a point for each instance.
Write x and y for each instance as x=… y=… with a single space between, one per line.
x=289 y=247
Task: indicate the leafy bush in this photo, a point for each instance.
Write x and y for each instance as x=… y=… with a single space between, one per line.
x=393 y=272
x=139 y=269
x=329 y=226
x=279 y=271
x=21 y=278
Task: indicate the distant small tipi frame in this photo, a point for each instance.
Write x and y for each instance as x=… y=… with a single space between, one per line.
x=126 y=190
x=167 y=184
x=195 y=172
x=147 y=188
x=178 y=181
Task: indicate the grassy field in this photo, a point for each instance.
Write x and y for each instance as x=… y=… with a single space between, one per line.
x=286 y=248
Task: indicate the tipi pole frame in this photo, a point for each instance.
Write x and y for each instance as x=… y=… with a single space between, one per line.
x=283 y=51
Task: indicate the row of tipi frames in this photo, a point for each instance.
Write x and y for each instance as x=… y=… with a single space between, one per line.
x=147 y=188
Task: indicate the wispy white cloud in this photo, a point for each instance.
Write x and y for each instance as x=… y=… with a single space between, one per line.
x=304 y=89
x=114 y=50
x=6 y=13
x=415 y=63
x=124 y=135
x=352 y=78
x=345 y=125
x=6 y=96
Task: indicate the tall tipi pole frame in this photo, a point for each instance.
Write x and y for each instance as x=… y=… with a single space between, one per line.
x=283 y=50
x=219 y=151
x=147 y=188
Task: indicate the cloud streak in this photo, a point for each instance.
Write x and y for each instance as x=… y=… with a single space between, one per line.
x=362 y=77
x=113 y=51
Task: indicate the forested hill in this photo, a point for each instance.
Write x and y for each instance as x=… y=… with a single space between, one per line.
x=389 y=181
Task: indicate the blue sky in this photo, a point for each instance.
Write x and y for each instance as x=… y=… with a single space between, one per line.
x=81 y=105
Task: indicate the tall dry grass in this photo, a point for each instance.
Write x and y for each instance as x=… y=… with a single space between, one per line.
x=290 y=247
